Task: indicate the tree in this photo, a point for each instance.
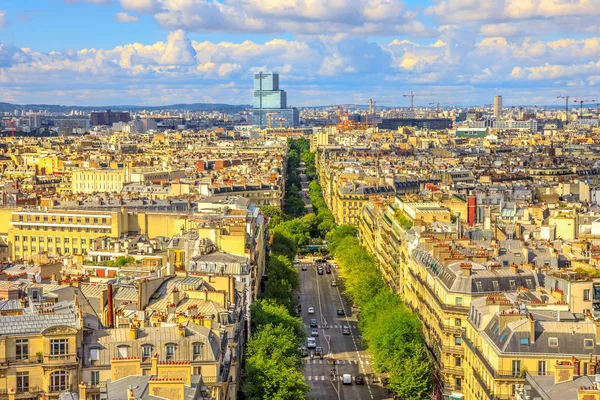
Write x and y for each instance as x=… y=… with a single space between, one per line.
x=275 y=214
x=273 y=365
x=282 y=244
x=268 y=311
x=295 y=230
x=311 y=222
x=335 y=236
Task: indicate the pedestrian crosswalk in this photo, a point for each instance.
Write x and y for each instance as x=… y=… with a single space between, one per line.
x=338 y=362
x=315 y=378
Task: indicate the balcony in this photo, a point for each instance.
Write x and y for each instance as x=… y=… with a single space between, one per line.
x=500 y=374
x=453 y=350
x=60 y=358
x=31 y=392
x=453 y=370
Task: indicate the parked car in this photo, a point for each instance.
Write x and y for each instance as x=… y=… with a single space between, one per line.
x=296 y=261
x=345 y=330
x=314 y=332
x=311 y=342
x=333 y=283
x=347 y=379
x=359 y=380
x=311 y=310
x=340 y=311
x=313 y=323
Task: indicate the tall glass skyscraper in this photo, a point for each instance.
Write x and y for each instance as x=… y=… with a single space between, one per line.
x=269 y=99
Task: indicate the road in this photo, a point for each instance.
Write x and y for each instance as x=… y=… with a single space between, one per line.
x=304 y=188
x=350 y=355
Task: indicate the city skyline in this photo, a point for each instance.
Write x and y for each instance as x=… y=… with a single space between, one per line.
x=145 y=52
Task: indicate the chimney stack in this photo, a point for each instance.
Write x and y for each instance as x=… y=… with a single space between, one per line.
x=466 y=268
x=111 y=310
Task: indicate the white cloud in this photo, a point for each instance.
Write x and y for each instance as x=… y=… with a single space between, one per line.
x=124 y=17
x=145 y=6
x=310 y=17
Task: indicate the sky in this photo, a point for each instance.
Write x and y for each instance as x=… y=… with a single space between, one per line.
x=159 y=52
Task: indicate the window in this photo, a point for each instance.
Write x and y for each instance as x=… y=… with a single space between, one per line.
x=94 y=354
x=458 y=301
x=516 y=367
x=22 y=382
x=457 y=340
x=457 y=322
x=588 y=343
x=95 y=377
x=197 y=350
x=502 y=336
x=59 y=347
x=524 y=341
x=586 y=295
x=553 y=342
x=170 y=350
x=123 y=351
x=59 y=381
x=147 y=350
x=542 y=367
x=457 y=361
x=458 y=384
x=22 y=349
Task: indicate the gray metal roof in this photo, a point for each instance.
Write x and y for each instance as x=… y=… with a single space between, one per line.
x=36 y=323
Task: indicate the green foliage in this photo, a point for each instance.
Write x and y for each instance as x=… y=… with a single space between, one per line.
x=268 y=311
x=120 y=261
x=282 y=244
x=275 y=214
x=273 y=365
x=312 y=224
x=335 y=236
x=295 y=230
x=391 y=331
x=308 y=158
x=403 y=220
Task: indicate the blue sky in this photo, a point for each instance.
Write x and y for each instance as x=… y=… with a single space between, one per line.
x=102 y=52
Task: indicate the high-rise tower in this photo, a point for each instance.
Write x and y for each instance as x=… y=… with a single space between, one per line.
x=269 y=99
x=497 y=106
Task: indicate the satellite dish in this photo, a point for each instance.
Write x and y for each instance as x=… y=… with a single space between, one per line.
x=38 y=278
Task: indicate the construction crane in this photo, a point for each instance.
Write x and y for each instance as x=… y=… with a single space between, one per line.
x=581 y=105
x=372 y=104
x=566 y=104
x=437 y=106
x=412 y=100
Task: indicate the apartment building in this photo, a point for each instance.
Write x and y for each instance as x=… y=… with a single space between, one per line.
x=99 y=180
x=39 y=350
x=55 y=232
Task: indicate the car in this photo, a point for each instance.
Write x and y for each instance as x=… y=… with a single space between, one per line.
x=359 y=380
x=318 y=351
x=303 y=351
x=345 y=330
x=314 y=332
x=311 y=310
x=328 y=269
x=311 y=343
x=296 y=261
x=347 y=379
x=320 y=261
x=304 y=267
x=320 y=270
x=313 y=323
x=340 y=311
x=333 y=283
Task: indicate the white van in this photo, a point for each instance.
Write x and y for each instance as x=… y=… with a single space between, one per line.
x=311 y=342
x=347 y=379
